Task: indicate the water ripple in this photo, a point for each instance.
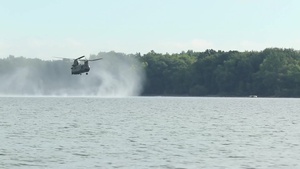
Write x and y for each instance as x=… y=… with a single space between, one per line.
x=149 y=133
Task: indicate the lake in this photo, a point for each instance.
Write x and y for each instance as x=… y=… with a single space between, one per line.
x=149 y=132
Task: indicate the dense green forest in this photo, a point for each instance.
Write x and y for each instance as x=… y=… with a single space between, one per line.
x=273 y=72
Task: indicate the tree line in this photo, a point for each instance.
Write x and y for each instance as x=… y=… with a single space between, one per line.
x=273 y=72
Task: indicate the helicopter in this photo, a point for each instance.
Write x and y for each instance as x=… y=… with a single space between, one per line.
x=78 y=68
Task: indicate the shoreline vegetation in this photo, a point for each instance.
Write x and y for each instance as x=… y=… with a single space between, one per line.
x=272 y=72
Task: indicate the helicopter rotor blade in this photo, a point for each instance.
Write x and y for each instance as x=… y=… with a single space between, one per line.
x=63 y=58
x=79 y=58
x=90 y=59
x=95 y=59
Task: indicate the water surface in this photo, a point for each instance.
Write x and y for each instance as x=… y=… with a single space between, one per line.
x=149 y=132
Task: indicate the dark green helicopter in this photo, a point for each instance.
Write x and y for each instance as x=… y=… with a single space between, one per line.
x=83 y=67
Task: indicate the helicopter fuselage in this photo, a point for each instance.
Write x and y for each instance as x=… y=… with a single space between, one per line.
x=80 y=68
x=81 y=65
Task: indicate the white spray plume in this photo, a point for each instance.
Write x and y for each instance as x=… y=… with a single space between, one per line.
x=116 y=75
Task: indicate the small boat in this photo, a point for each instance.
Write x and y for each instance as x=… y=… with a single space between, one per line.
x=253 y=96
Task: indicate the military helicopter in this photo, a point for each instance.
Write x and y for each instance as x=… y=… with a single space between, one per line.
x=78 y=68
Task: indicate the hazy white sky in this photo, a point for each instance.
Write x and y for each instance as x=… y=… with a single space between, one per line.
x=70 y=28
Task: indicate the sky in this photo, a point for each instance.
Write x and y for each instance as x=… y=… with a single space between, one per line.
x=70 y=28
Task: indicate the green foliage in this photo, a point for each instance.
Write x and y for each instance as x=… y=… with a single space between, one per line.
x=273 y=72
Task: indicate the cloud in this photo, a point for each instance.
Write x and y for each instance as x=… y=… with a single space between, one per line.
x=199 y=44
x=195 y=44
x=257 y=46
x=44 y=48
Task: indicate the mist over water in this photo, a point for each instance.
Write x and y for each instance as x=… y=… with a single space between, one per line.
x=116 y=75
